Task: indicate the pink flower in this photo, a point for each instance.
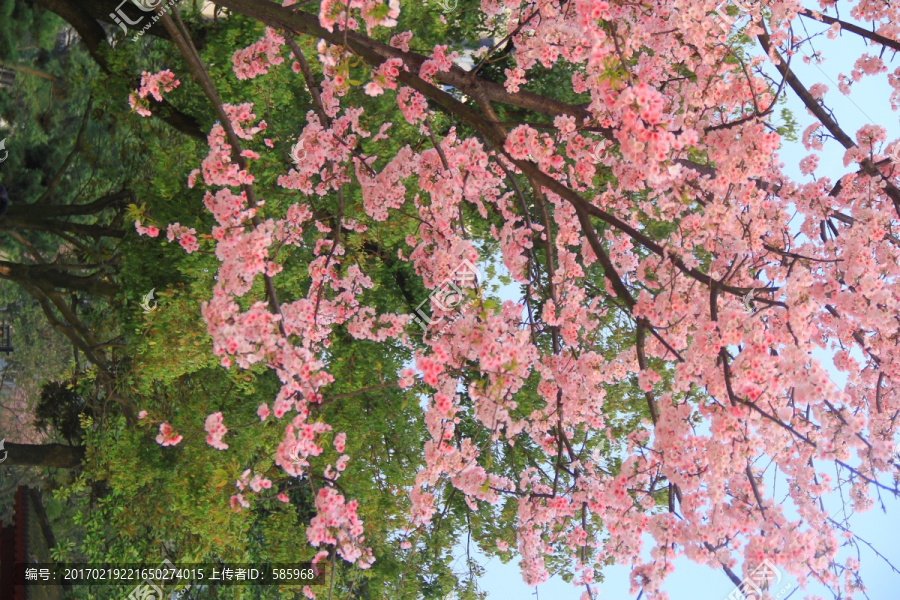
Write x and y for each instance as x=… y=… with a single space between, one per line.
x=259 y=57
x=142 y=415
x=150 y=86
x=263 y=411
x=336 y=523
x=167 y=436
x=259 y=483
x=373 y=89
x=186 y=236
x=148 y=231
x=216 y=443
x=139 y=105
x=216 y=430
x=237 y=501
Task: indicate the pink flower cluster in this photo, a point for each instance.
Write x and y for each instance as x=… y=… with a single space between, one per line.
x=238 y=501
x=680 y=135
x=150 y=86
x=215 y=430
x=336 y=523
x=256 y=484
x=334 y=13
x=384 y=77
x=239 y=114
x=150 y=231
x=167 y=436
x=186 y=236
x=258 y=57
x=298 y=445
x=412 y=104
x=217 y=168
x=440 y=61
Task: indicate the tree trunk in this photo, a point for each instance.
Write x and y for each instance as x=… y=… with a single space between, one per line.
x=28 y=71
x=43 y=455
x=93 y=35
x=46 y=278
x=21 y=210
x=56 y=226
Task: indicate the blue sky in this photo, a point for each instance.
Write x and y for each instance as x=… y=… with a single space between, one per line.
x=867 y=104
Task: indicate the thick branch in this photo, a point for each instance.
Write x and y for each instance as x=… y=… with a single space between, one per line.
x=867 y=166
x=47 y=279
x=34 y=223
x=43 y=455
x=23 y=211
x=869 y=35
x=90 y=31
x=201 y=76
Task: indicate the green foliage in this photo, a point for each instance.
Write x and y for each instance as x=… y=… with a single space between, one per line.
x=137 y=501
x=789 y=128
x=26 y=31
x=61 y=409
x=40 y=353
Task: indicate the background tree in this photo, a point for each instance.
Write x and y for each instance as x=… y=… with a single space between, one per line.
x=618 y=160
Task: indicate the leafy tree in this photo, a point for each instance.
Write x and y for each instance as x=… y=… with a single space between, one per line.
x=617 y=158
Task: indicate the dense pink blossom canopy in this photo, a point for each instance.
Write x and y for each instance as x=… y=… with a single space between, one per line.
x=715 y=320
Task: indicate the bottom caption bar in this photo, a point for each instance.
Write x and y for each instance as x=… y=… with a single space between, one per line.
x=168 y=574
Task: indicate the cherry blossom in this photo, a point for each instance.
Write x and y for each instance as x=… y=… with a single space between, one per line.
x=149 y=231
x=216 y=430
x=186 y=236
x=151 y=84
x=167 y=435
x=671 y=273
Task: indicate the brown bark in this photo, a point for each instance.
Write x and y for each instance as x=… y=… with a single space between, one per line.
x=28 y=71
x=102 y=9
x=46 y=278
x=48 y=211
x=37 y=502
x=35 y=223
x=94 y=38
x=43 y=455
